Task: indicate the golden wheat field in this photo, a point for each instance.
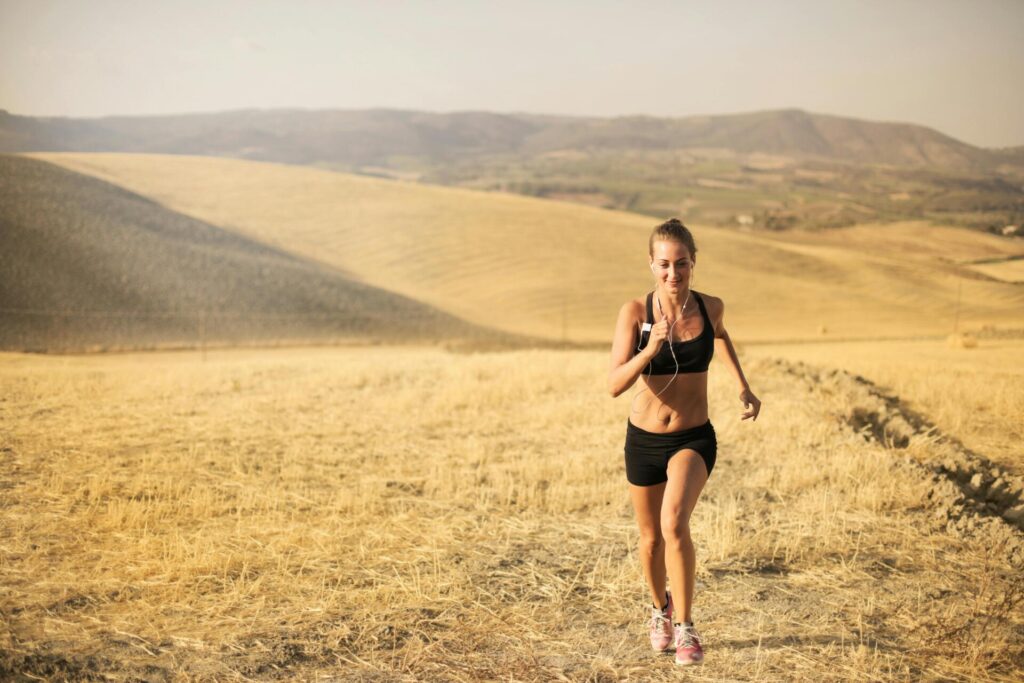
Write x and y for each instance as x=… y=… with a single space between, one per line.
x=972 y=392
x=415 y=513
x=554 y=270
x=360 y=514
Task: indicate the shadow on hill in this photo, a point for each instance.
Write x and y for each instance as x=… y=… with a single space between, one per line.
x=88 y=266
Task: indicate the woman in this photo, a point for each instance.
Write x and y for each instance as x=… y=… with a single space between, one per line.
x=669 y=338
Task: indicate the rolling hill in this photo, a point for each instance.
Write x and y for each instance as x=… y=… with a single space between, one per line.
x=378 y=136
x=88 y=265
x=770 y=169
x=560 y=271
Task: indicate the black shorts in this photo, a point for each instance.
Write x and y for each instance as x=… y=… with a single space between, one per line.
x=648 y=453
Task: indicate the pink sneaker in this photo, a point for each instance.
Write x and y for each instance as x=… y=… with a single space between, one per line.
x=661 y=626
x=688 y=649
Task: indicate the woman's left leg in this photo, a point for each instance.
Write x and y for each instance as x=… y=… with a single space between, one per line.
x=687 y=475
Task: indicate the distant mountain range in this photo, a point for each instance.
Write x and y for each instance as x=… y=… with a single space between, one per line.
x=351 y=138
x=764 y=170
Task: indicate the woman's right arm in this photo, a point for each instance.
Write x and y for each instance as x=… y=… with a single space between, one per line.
x=625 y=367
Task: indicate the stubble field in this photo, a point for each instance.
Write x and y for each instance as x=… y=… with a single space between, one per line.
x=972 y=393
x=554 y=270
x=410 y=514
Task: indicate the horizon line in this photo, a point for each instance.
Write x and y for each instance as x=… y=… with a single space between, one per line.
x=439 y=112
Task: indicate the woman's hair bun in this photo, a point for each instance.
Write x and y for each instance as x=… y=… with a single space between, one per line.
x=673 y=230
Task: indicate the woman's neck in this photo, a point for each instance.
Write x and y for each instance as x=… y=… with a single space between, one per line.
x=674 y=301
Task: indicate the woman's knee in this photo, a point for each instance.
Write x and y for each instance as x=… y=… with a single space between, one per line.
x=650 y=540
x=676 y=528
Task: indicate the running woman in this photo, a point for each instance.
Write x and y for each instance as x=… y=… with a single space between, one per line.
x=668 y=338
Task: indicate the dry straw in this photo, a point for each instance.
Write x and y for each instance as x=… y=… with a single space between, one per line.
x=383 y=514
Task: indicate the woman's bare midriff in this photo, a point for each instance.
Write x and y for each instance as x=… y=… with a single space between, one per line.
x=684 y=404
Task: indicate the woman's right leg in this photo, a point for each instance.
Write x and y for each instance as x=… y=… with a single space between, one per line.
x=687 y=475
x=647 y=505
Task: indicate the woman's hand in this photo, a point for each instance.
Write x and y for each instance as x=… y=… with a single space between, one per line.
x=659 y=333
x=751 y=404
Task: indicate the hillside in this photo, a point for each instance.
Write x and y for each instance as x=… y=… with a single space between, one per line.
x=373 y=136
x=366 y=137
x=771 y=169
x=85 y=265
x=560 y=271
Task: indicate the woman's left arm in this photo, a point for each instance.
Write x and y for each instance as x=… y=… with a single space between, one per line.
x=723 y=344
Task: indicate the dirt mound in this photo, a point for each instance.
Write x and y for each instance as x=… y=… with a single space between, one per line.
x=972 y=492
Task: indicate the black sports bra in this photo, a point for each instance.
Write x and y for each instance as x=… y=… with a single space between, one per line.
x=693 y=355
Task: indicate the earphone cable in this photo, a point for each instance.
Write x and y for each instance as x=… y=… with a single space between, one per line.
x=650 y=363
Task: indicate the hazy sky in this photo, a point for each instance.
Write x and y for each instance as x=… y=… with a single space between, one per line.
x=954 y=65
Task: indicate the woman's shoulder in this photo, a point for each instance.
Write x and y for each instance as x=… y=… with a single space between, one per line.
x=713 y=303
x=635 y=308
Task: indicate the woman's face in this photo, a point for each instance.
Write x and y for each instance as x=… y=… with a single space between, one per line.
x=672 y=264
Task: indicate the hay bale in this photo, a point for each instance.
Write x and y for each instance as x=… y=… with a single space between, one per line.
x=961 y=340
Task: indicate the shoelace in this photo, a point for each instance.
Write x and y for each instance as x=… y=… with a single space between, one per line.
x=687 y=636
x=658 y=619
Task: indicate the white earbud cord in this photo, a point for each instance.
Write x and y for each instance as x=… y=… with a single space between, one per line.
x=672 y=349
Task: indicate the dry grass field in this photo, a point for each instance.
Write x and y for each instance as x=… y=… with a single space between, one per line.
x=974 y=394
x=386 y=514
x=554 y=270
x=87 y=266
